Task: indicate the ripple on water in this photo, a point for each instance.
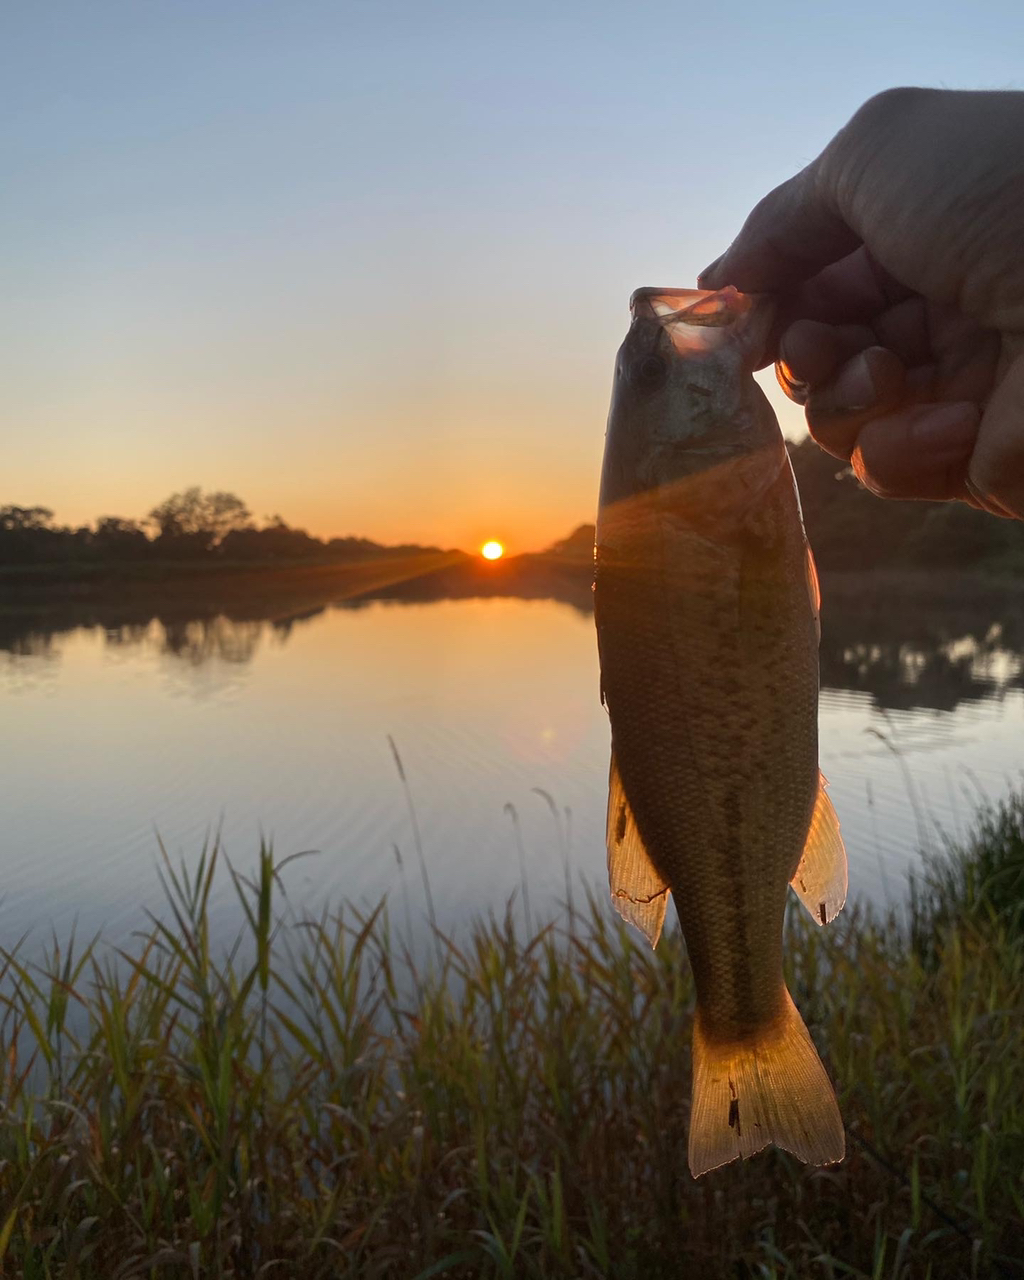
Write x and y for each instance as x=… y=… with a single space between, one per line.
x=112 y=736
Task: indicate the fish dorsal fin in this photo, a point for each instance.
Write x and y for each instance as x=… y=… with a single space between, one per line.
x=640 y=894
x=821 y=880
x=813 y=587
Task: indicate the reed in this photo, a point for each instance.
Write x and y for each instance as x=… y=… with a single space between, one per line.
x=315 y=1102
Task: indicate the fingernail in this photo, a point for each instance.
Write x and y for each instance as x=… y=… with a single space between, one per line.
x=705 y=278
x=945 y=426
x=854 y=388
x=794 y=388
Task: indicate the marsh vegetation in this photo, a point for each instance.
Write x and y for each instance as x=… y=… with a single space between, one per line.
x=319 y=1100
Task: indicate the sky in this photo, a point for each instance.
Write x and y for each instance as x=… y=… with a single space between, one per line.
x=367 y=264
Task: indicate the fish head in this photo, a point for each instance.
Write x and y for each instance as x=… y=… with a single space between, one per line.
x=702 y=322
x=686 y=413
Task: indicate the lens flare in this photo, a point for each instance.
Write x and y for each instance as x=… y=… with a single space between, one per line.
x=492 y=551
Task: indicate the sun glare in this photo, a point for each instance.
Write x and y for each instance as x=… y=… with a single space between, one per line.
x=492 y=551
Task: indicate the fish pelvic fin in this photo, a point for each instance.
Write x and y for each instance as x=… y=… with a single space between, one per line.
x=769 y=1088
x=821 y=878
x=639 y=891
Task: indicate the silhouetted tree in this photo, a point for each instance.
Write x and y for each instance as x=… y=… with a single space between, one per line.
x=193 y=522
x=276 y=541
x=19 y=519
x=959 y=536
x=119 y=539
x=578 y=546
x=27 y=535
x=850 y=528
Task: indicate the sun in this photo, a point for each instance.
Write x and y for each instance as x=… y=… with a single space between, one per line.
x=492 y=551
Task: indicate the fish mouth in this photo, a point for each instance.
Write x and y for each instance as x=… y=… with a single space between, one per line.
x=698 y=320
x=702 y=308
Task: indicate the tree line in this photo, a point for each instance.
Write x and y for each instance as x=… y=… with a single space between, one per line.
x=849 y=528
x=190 y=525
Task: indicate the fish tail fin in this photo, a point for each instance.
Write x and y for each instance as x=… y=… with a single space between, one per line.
x=766 y=1088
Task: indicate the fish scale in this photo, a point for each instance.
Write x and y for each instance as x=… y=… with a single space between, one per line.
x=708 y=644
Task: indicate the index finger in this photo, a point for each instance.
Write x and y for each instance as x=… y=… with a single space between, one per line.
x=789 y=236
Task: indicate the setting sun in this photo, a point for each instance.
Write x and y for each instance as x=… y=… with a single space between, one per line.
x=492 y=551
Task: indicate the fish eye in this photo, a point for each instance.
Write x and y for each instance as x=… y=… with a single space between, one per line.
x=649 y=373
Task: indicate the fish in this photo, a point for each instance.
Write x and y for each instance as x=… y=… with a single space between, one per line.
x=707 y=606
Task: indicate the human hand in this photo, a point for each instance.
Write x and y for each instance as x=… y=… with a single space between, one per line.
x=897 y=258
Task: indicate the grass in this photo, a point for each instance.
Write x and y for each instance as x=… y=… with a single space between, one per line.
x=314 y=1104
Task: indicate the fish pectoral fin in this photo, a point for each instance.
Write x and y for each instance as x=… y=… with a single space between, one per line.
x=639 y=891
x=821 y=878
x=768 y=1088
x=813 y=587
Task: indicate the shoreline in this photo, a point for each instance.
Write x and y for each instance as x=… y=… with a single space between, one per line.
x=245 y=589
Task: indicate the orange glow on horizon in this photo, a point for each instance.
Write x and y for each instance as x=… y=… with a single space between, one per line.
x=492 y=550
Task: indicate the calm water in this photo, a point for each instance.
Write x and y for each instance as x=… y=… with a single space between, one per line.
x=116 y=734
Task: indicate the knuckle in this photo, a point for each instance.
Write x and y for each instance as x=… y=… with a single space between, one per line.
x=887 y=110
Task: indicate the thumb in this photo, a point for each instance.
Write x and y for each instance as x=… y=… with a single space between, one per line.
x=790 y=235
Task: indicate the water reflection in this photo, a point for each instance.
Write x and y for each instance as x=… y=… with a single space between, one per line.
x=122 y=722
x=194 y=640
x=905 y=677
x=908 y=643
x=933 y=647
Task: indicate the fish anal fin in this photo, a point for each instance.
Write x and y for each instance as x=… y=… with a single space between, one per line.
x=639 y=891
x=766 y=1089
x=821 y=879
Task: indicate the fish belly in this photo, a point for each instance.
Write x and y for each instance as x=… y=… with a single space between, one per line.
x=709 y=666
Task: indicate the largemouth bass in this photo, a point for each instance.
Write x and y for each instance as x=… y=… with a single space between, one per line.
x=707 y=620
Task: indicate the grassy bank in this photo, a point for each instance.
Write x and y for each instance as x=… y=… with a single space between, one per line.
x=321 y=1109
